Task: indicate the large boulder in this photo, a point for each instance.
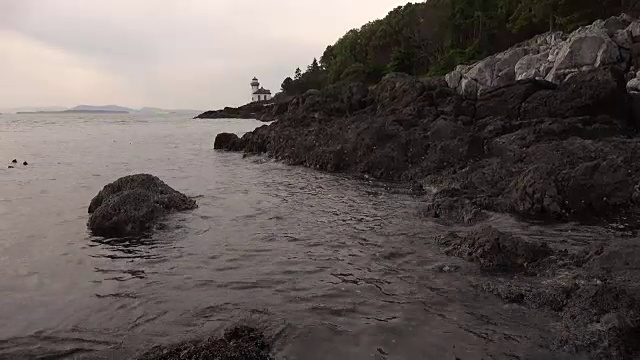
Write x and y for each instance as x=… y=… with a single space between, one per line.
x=132 y=205
x=227 y=141
x=589 y=46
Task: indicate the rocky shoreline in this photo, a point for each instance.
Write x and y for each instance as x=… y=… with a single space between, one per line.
x=545 y=131
x=532 y=148
x=258 y=110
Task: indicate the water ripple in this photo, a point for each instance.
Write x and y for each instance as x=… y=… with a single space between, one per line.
x=333 y=267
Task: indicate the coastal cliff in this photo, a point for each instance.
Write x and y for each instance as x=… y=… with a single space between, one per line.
x=546 y=130
x=560 y=147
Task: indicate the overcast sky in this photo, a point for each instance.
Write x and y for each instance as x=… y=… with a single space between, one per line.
x=197 y=54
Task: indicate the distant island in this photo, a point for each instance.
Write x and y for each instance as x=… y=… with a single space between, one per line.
x=104 y=108
x=93 y=109
x=74 y=112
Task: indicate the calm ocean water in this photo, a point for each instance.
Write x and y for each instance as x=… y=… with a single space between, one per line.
x=330 y=266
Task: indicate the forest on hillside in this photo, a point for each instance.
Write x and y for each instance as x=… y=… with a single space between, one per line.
x=432 y=37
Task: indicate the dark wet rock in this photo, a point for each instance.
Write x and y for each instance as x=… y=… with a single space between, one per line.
x=226 y=141
x=495 y=251
x=416 y=188
x=25 y=163
x=508 y=100
x=535 y=193
x=577 y=178
x=450 y=206
x=586 y=93
x=14 y=161
x=132 y=205
x=595 y=291
x=445 y=268
x=603 y=319
x=238 y=343
x=11 y=167
x=254 y=110
x=598 y=318
x=552 y=295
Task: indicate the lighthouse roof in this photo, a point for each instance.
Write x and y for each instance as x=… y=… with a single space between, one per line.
x=262 y=91
x=255 y=78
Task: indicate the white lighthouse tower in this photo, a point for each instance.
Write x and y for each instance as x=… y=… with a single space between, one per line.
x=259 y=93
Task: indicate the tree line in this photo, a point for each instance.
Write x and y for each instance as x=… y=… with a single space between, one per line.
x=432 y=37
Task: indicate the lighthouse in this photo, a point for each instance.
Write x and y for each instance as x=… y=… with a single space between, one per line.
x=259 y=93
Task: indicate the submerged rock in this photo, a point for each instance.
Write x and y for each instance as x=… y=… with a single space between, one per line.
x=594 y=290
x=238 y=343
x=597 y=317
x=132 y=205
x=496 y=251
x=449 y=206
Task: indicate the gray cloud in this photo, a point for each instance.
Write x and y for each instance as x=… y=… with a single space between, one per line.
x=166 y=53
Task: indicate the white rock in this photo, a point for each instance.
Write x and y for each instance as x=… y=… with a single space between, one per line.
x=528 y=67
x=554 y=56
x=626 y=18
x=634 y=30
x=453 y=78
x=609 y=54
x=483 y=71
x=469 y=88
x=580 y=50
x=633 y=85
x=623 y=39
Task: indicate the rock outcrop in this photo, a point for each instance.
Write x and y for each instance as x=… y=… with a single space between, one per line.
x=496 y=251
x=534 y=148
x=132 y=205
x=555 y=57
x=255 y=110
x=263 y=111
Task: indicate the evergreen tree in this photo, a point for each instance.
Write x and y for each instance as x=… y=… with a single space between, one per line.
x=532 y=12
x=402 y=60
x=434 y=36
x=314 y=67
x=287 y=86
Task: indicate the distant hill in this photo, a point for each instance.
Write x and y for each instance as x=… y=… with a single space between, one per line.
x=32 y=109
x=152 y=110
x=110 y=108
x=104 y=109
x=74 y=112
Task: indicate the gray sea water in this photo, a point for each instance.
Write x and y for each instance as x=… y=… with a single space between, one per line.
x=330 y=266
